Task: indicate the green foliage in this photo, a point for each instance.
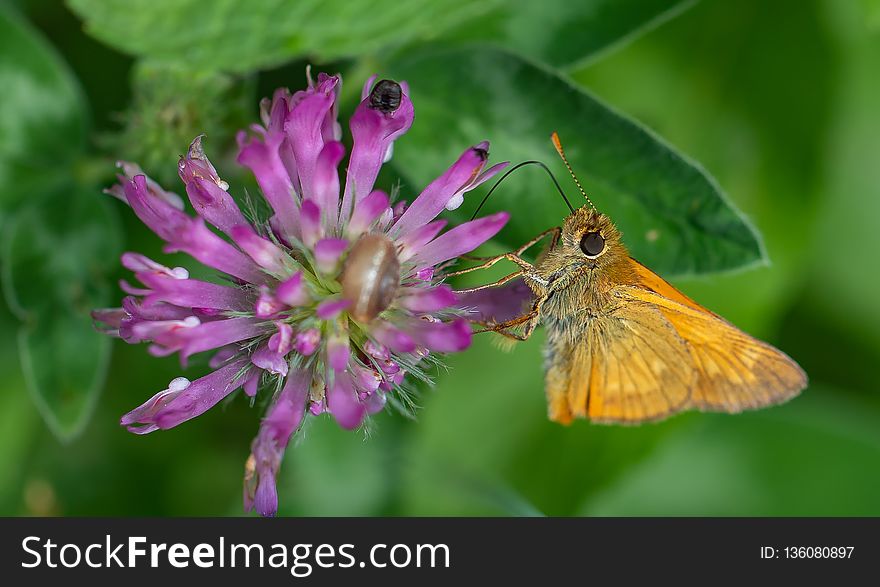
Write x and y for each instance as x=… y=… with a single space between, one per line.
x=565 y=33
x=59 y=246
x=673 y=214
x=231 y=35
x=171 y=105
x=42 y=113
x=56 y=254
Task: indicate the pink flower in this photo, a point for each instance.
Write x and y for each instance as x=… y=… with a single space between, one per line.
x=331 y=301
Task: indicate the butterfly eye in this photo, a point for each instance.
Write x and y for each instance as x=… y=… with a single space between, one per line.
x=592 y=244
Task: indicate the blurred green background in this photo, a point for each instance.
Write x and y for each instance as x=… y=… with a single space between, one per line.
x=777 y=100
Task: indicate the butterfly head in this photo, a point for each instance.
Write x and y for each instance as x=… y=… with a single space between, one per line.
x=589 y=239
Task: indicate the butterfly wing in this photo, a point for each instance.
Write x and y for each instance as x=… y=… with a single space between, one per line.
x=625 y=366
x=735 y=371
x=659 y=352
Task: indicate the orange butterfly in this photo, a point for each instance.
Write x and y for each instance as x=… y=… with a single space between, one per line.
x=623 y=345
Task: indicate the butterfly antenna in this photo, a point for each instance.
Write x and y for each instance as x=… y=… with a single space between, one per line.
x=519 y=166
x=558 y=144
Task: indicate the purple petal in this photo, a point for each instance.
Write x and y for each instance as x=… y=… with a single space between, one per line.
x=304 y=125
x=214 y=205
x=307 y=341
x=282 y=341
x=460 y=240
x=252 y=382
x=375 y=402
x=326 y=181
x=366 y=380
x=183 y=400
x=108 y=320
x=211 y=335
x=264 y=252
x=393 y=338
x=161 y=217
x=377 y=351
x=223 y=355
x=410 y=244
x=269 y=360
x=330 y=309
x=384 y=115
x=267 y=451
x=338 y=352
x=129 y=171
x=207 y=191
x=327 y=253
x=458 y=198
x=264 y=160
x=193 y=293
x=439 y=192
x=310 y=223
x=366 y=212
x=497 y=304
x=199 y=242
x=268 y=305
x=140 y=263
x=444 y=337
x=421 y=300
x=343 y=403
x=292 y=291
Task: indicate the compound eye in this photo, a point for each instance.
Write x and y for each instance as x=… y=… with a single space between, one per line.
x=592 y=244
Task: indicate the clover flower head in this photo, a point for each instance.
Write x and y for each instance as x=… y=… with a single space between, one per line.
x=326 y=305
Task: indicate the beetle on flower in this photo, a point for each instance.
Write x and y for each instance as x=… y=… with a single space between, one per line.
x=329 y=303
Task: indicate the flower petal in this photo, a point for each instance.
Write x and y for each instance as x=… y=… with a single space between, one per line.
x=195 y=239
x=439 y=192
x=183 y=400
x=497 y=304
x=366 y=212
x=310 y=223
x=326 y=182
x=444 y=337
x=384 y=115
x=160 y=216
x=328 y=251
x=264 y=160
x=303 y=127
x=343 y=402
x=425 y=300
x=460 y=240
x=264 y=252
x=267 y=451
x=293 y=291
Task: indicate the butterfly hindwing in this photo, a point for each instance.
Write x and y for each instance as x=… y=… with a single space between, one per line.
x=626 y=366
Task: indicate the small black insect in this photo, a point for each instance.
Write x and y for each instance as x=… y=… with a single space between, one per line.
x=385 y=96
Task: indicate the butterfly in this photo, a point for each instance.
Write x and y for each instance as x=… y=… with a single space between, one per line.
x=623 y=345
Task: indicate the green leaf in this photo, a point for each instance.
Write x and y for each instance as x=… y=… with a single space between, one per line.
x=57 y=253
x=42 y=113
x=673 y=214
x=240 y=36
x=568 y=34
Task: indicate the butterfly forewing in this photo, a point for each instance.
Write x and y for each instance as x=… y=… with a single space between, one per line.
x=736 y=371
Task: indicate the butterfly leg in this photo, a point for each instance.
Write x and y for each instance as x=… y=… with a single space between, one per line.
x=501 y=281
x=530 y=319
x=489 y=261
x=555 y=231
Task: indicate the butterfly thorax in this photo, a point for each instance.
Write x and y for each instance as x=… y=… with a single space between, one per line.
x=575 y=282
